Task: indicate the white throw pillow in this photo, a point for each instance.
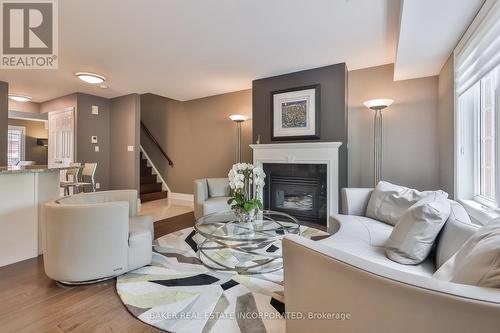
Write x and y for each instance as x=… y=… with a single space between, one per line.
x=414 y=234
x=389 y=202
x=218 y=187
x=477 y=262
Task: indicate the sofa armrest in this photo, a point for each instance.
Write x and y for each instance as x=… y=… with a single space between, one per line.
x=373 y=295
x=200 y=196
x=355 y=200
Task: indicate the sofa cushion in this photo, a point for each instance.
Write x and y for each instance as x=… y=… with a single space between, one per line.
x=388 y=202
x=214 y=205
x=478 y=260
x=414 y=234
x=365 y=237
x=142 y=222
x=218 y=187
x=456 y=231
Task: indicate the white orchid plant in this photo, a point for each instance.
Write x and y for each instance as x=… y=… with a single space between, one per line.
x=246 y=181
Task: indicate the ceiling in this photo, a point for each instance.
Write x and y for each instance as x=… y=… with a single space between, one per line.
x=187 y=49
x=428 y=33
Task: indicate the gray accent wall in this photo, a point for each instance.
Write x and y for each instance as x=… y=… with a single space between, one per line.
x=333 y=121
x=88 y=125
x=125 y=116
x=4 y=125
x=4 y=121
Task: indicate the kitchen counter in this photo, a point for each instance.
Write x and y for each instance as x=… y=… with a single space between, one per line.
x=23 y=192
x=29 y=169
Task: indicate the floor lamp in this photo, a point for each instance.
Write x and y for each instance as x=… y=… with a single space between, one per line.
x=238 y=119
x=377 y=105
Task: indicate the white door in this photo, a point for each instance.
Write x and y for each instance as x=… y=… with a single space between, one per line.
x=61 y=138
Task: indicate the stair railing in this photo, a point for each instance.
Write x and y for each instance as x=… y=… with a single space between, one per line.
x=157 y=144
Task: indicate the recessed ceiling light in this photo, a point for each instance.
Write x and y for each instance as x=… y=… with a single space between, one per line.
x=19 y=98
x=91 y=77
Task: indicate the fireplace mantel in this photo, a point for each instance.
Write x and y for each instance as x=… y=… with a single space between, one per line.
x=305 y=153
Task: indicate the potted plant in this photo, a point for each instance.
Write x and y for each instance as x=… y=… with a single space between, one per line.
x=246 y=182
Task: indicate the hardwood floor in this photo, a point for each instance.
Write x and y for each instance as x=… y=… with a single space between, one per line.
x=31 y=302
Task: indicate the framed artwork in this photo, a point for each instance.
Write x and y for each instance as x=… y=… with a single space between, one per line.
x=295 y=113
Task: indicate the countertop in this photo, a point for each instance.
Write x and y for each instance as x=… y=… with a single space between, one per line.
x=30 y=169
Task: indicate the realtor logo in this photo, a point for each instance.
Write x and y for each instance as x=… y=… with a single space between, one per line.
x=29 y=34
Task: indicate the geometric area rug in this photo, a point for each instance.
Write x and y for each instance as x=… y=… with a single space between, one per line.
x=177 y=293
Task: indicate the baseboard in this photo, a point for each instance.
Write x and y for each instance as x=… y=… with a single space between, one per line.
x=181 y=196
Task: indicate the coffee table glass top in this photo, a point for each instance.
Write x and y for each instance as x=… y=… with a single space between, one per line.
x=247 y=248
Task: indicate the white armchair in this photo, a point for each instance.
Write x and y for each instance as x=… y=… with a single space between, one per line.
x=210 y=196
x=94 y=236
x=349 y=274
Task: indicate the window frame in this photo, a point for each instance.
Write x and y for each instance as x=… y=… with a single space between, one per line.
x=478 y=142
x=22 y=129
x=476 y=55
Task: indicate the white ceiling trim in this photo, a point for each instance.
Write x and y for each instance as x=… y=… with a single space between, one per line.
x=429 y=31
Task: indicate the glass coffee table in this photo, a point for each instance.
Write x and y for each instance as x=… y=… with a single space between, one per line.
x=246 y=248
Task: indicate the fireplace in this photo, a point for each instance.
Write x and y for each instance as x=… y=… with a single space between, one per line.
x=297 y=189
x=302 y=161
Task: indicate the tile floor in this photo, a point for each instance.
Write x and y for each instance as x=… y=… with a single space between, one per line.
x=165 y=208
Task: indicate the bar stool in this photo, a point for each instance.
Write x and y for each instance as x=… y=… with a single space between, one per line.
x=88 y=172
x=72 y=177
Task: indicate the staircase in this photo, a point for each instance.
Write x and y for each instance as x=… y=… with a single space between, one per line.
x=151 y=189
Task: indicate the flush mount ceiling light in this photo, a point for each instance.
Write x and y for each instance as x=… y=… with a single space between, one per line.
x=239 y=118
x=378 y=104
x=90 y=77
x=19 y=98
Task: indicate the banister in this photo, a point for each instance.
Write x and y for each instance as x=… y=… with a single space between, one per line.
x=157 y=144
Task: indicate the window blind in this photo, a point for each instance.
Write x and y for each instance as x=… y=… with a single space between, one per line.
x=479 y=51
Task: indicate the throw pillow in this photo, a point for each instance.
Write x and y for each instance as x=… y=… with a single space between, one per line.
x=389 y=202
x=414 y=234
x=478 y=261
x=218 y=187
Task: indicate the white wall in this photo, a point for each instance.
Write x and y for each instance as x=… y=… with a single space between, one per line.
x=445 y=127
x=410 y=152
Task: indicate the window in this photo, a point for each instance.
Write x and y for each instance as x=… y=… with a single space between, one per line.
x=477 y=115
x=16 y=144
x=485 y=143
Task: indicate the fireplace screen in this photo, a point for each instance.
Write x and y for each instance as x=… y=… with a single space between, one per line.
x=297 y=201
x=298 y=190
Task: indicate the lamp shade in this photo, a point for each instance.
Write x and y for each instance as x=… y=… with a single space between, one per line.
x=238 y=118
x=378 y=104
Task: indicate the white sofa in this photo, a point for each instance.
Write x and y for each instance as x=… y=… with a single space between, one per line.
x=210 y=196
x=95 y=236
x=349 y=273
